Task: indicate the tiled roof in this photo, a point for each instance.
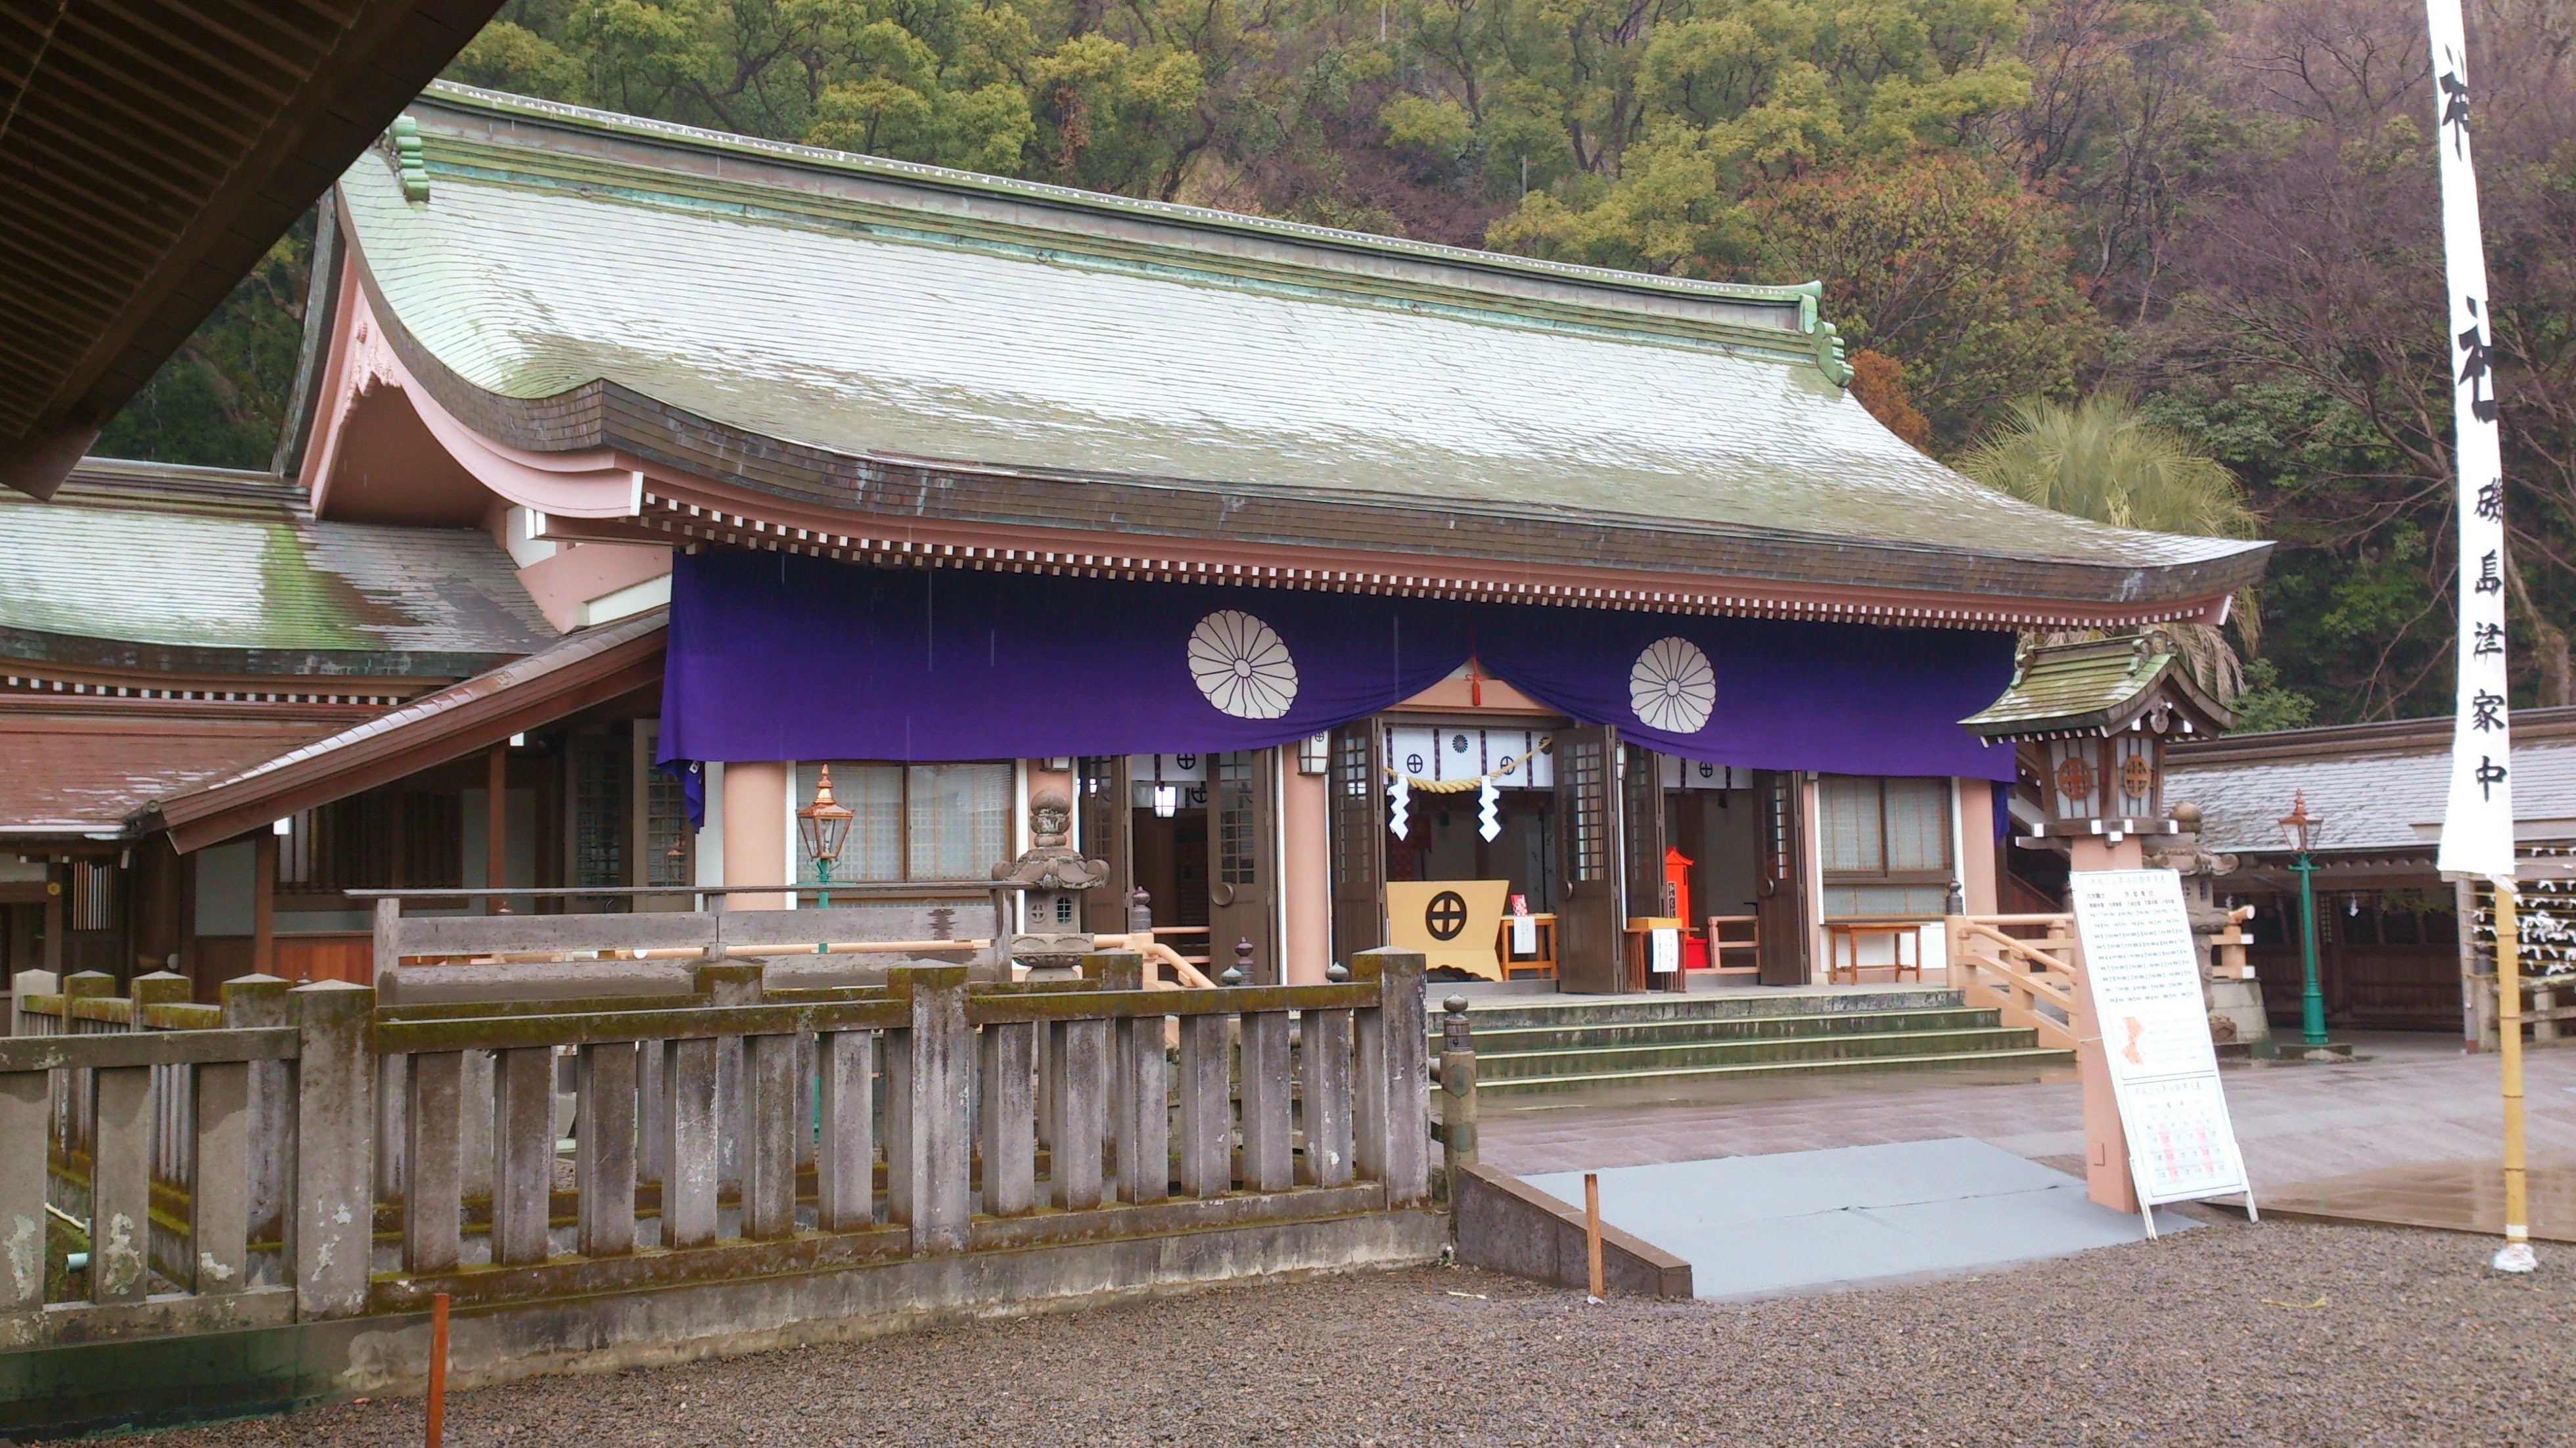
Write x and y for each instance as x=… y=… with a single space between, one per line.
x=228 y=572
x=571 y=649
x=896 y=313
x=2376 y=787
x=76 y=773
x=2068 y=688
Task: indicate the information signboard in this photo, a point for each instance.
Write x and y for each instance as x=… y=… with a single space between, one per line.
x=2144 y=979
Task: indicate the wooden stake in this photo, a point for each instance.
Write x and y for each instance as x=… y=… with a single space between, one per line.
x=2516 y=1256
x=1592 y=1228
x=437 y=1369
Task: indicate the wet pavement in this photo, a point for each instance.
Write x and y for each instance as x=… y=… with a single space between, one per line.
x=2413 y=1098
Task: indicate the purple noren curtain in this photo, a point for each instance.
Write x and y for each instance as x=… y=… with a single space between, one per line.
x=774 y=656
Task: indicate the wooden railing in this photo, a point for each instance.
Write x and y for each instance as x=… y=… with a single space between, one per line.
x=734 y=1128
x=2026 y=968
x=869 y=928
x=149 y=1141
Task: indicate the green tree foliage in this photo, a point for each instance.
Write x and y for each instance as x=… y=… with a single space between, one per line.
x=218 y=402
x=2101 y=459
x=2224 y=209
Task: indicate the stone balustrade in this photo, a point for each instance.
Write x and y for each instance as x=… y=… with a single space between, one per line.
x=528 y=1152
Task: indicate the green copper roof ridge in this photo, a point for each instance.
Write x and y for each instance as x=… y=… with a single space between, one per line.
x=1144 y=259
x=465 y=97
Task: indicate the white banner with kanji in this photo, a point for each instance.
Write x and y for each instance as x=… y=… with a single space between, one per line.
x=2477 y=827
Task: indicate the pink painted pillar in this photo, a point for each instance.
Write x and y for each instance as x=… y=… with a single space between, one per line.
x=755 y=832
x=1976 y=844
x=1305 y=872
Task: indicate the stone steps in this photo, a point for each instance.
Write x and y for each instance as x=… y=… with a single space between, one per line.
x=1527 y=1046
x=1522 y=1039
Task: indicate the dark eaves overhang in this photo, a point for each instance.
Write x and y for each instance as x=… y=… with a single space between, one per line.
x=151 y=151
x=33 y=647
x=589 y=668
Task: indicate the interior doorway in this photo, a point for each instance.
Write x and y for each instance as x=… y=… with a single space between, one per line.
x=1717 y=832
x=1172 y=866
x=1445 y=841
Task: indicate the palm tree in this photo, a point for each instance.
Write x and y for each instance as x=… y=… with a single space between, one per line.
x=2101 y=459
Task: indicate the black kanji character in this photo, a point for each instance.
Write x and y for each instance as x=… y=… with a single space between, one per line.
x=2490 y=640
x=2490 y=503
x=2455 y=105
x=2486 y=711
x=2489 y=581
x=2477 y=371
x=2490 y=774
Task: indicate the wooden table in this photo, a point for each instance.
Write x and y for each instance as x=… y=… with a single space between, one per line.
x=1540 y=965
x=1639 y=940
x=1843 y=938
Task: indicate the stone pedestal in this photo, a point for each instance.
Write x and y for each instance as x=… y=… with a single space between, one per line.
x=2240 y=1003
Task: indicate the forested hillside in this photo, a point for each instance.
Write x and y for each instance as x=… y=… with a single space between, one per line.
x=2224 y=212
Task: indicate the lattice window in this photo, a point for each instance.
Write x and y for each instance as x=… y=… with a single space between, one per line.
x=1587 y=777
x=599 y=803
x=93 y=895
x=1885 y=843
x=1238 y=852
x=668 y=840
x=914 y=822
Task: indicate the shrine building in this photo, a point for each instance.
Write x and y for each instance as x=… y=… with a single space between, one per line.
x=1350 y=588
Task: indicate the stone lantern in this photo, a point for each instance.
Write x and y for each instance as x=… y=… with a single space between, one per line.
x=1054 y=876
x=2091 y=721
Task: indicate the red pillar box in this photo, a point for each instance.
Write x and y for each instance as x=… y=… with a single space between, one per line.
x=1677 y=888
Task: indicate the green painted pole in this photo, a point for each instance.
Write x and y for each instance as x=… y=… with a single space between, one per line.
x=2312 y=1000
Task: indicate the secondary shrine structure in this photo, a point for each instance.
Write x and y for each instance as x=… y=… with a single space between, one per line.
x=1310 y=567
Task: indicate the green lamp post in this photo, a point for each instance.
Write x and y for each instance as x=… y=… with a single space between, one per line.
x=2299 y=826
x=825 y=826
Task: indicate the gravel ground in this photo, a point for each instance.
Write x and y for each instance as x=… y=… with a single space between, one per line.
x=2281 y=1334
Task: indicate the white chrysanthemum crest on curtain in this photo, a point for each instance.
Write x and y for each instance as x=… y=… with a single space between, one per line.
x=1672 y=686
x=1242 y=666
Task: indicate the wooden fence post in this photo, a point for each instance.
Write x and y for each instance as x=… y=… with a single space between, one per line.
x=24 y=984
x=731 y=983
x=26 y=1100
x=604 y=1147
x=1457 y=1090
x=845 y=1159
x=939 y=1136
x=251 y=1001
x=1394 y=1135
x=1144 y=1113
x=334 y=1168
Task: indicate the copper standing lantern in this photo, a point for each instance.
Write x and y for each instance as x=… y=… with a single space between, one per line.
x=825 y=826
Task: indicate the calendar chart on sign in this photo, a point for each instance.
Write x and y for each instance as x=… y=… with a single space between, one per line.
x=2179 y=1136
x=2144 y=980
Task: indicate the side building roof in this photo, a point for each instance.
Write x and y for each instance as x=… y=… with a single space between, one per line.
x=2378 y=788
x=203 y=582
x=875 y=337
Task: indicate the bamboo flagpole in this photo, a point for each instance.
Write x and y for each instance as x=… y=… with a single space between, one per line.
x=2477 y=825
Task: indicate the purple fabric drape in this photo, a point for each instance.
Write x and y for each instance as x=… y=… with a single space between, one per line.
x=1762 y=693
x=774 y=656
x=781 y=657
